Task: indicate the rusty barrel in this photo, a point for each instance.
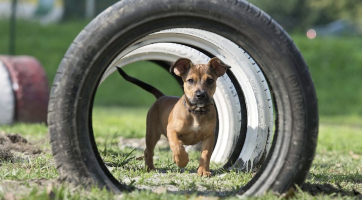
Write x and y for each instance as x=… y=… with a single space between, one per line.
x=25 y=83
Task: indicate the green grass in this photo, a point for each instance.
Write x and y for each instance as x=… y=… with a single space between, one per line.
x=337 y=166
x=39 y=167
x=128 y=122
x=335 y=65
x=36 y=131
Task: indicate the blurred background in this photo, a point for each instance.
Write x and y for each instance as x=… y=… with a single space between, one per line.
x=327 y=32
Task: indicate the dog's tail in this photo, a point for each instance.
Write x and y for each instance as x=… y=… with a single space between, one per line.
x=143 y=85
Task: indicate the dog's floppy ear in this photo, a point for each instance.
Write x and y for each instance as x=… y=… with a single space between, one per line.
x=218 y=66
x=181 y=66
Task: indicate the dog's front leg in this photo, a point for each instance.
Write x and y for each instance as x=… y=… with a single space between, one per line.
x=180 y=156
x=206 y=151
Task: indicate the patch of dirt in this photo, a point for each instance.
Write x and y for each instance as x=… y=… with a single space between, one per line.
x=5 y=154
x=16 y=138
x=11 y=144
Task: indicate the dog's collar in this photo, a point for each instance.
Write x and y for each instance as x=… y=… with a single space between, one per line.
x=194 y=111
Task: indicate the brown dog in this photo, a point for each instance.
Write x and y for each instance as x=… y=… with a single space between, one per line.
x=186 y=120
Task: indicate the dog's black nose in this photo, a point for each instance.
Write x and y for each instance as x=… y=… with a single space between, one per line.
x=200 y=95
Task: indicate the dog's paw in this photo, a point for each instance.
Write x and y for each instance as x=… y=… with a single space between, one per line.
x=150 y=168
x=181 y=160
x=203 y=172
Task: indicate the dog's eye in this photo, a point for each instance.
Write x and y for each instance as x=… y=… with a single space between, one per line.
x=209 y=81
x=191 y=81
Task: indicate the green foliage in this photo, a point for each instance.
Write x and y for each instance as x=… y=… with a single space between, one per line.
x=48 y=43
x=294 y=15
x=76 y=9
x=298 y=15
x=333 y=10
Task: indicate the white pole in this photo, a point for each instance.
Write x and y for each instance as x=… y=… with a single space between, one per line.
x=90 y=6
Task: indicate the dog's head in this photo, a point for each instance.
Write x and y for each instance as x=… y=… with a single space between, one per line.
x=200 y=79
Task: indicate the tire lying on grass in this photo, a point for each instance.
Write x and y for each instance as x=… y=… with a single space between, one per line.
x=280 y=67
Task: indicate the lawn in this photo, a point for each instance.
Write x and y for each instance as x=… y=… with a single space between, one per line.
x=120 y=119
x=336 y=170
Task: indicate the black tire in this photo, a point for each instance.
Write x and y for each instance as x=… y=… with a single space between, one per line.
x=69 y=117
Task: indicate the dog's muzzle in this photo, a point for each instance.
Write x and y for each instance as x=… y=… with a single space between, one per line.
x=201 y=99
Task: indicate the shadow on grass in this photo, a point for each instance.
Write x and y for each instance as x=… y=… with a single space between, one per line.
x=328 y=189
x=316 y=189
x=207 y=193
x=312 y=189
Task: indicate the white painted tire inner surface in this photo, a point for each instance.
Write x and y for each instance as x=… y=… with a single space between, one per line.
x=248 y=75
x=225 y=100
x=7 y=101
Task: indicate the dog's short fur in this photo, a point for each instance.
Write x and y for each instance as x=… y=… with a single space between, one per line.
x=186 y=120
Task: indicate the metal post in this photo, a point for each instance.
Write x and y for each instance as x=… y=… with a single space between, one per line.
x=90 y=6
x=12 y=28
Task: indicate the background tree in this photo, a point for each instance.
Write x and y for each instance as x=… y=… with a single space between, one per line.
x=299 y=15
x=76 y=9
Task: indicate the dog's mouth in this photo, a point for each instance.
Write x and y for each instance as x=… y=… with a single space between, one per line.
x=201 y=108
x=203 y=105
x=199 y=105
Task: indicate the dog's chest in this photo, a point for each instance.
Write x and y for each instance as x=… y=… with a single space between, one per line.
x=194 y=133
x=195 y=126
